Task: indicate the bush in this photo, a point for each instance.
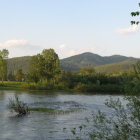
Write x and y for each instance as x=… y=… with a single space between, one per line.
x=18 y=106
x=81 y=87
x=98 y=88
x=123 y=122
x=122 y=125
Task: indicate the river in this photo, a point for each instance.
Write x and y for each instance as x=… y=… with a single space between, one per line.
x=38 y=125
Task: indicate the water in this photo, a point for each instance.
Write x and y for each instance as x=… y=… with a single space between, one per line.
x=46 y=125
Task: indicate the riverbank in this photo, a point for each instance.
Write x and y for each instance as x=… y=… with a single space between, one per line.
x=84 y=88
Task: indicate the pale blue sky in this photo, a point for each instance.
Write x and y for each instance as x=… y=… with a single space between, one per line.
x=69 y=26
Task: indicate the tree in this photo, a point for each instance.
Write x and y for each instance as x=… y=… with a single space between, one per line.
x=19 y=75
x=45 y=66
x=134 y=14
x=11 y=77
x=4 y=53
x=137 y=70
x=3 y=64
x=36 y=68
x=51 y=63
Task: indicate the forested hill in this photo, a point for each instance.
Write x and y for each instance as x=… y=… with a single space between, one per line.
x=89 y=59
x=76 y=62
x=116 y=67
x=17 y=63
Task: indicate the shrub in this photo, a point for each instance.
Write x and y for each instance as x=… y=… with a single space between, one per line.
x=98 y=88
x=123 y=122
x=81 y=87
x=18 y=106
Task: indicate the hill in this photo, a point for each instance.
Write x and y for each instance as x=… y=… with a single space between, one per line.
x=116 y=67
x=75 y=63
x=90 y=59
x=16 y=63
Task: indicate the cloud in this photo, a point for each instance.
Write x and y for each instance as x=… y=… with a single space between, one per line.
x=75 y=52
x=62 y=46
x=68 y=51
x=131 y=29
x=13 y=43
x=19 y=48
x=64 y=50
x=79 y=51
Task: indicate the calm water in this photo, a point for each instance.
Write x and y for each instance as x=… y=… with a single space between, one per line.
x=45 y=125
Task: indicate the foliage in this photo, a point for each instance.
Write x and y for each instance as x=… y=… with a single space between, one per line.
x=137 y=70
x=113 y=88
x=14 y=64
x=3 y=69
x=73 y=81
x=75 y=63
x=134 y=14
x=3 y=64
x=123 y=124
x=4 y=53
x=123 y=120
x=87 y=71
x=45 y=71
x=19 y=75
x=11 y=77
x=68 y=79
x=132 y=81
x=45 y=66
x=18 y=106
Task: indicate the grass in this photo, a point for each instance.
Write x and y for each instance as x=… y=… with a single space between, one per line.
x=11 y=85
x=91 y=88
x=40 y=109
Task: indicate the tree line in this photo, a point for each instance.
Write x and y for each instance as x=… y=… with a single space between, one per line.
x=45 y=73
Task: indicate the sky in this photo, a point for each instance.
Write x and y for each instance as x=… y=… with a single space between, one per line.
x=70 y=27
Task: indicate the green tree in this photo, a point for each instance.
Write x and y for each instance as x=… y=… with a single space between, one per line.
x=36 y=67
x=51 y=64
x=19 y=75
x=134 y=14
x=137 y=70
x=45 y=66
x=11 y=77
x=3 y=64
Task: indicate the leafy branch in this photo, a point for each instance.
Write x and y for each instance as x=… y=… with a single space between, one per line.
x=134 y=14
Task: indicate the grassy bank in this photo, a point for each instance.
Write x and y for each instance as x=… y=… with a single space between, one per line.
x=13 y=85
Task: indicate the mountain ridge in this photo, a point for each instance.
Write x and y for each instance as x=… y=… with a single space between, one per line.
x=74 y=63
x=91 y=59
